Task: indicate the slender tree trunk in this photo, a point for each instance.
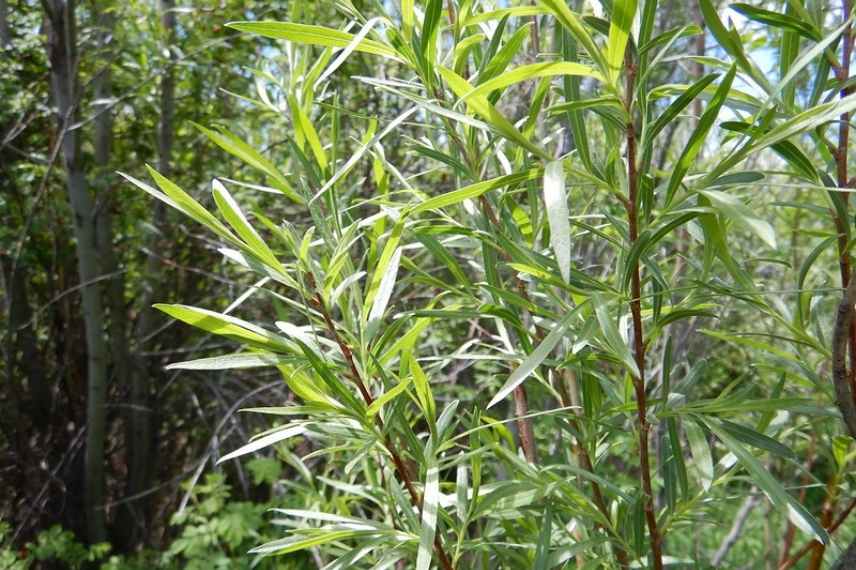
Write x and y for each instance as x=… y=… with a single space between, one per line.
x=61 y=39
x=114 y=288
x=141 y=460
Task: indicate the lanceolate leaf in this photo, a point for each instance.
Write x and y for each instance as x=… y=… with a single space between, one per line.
x=537 y=356
x=731 y=42
x=531 y=71
x=699 y=135
x=481 y=106
x=475 y=190
x=772 y=488
x=390 y=255
x=678 y=105
x=384 y=290
x=230 y=361
x=233 y=214
x=316 y=537
x=776 y=19
x=623 y=14
x=556 y=204
x=804 y=122
x=313 y=35
x=700 y=450
x=387 y=397
x=279 y=435
x=226 y=325
x=496 y=65
x=430 y=505
x=304 y=126
x=572 y=22
x=612 y=336
x=736 y=210
x=236 y=147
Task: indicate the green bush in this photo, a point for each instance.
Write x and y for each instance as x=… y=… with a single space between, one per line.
x=516 y=339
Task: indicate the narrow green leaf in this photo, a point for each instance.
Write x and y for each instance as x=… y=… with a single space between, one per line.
x=304 y=127
x=778 y=20
x=226 y=325
x=573 y=24
x=623 y=14
x=232 y=212
x=495 y=65
x=611 y=335
x=303 y=542
x=700 y=450
x=694 y=145
x=531 y=71
x=407 y=18
x=731 y=42
x=772 y=488
x=481 y=106
x=476 y=190
x=184 y=203
x=312 y=35
x=384 y=289
x=542 y=548
x=537 y=356
x=387 y=397
x=678 y=105
x=380 y=285
x=755 y=439
x=739 y=212
x=423 y=391
x=238 y=148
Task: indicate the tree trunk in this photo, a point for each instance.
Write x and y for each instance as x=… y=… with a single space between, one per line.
x=61 y=40
x=142 y=436
x=114 y=288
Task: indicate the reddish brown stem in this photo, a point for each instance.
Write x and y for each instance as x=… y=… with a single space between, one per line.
x=636 y=313
x=521 y=403
x=400 y=468
x=843 y=378
x=841 y=171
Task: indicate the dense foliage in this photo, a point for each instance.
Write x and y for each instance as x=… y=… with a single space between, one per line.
x=547 y=285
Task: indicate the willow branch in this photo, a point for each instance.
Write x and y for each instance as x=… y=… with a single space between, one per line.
x=840 y=341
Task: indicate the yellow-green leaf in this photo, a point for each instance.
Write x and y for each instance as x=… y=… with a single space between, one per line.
x=481 y=106
x=312 y=35
x=532 y=71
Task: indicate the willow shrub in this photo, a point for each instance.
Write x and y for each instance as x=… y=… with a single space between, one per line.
x=484 y=297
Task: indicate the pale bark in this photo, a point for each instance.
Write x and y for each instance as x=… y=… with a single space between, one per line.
x=61 y=38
